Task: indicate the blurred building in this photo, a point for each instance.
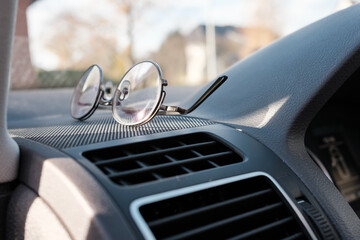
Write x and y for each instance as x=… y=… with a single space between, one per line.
x=22 y=71
x=231 y=43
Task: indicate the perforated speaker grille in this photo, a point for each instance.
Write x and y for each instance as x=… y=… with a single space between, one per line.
x=66 y=132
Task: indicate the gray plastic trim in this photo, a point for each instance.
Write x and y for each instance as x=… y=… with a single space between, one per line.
x=277 y=91
x=9 y=150
x=320 y=164
x=145 y=230
x=73 y=194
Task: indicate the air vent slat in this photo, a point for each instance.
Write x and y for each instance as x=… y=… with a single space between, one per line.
x=170 y=158
x=244 y=209
x=141 y=164
x=163 y=158
x=196 y=153
x=252 y=234
x=214 y=164
x=154 y=153
x=186 y=169
x=221 y=223
x=168 y=165
x=295 y=236
x=156 y=176
x=200 y=210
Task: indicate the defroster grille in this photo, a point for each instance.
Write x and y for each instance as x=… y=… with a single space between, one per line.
x=163 y=158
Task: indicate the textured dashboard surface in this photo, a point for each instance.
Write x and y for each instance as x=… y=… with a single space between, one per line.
x=66 y=132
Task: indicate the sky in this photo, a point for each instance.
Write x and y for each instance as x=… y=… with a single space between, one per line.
x=158 y=18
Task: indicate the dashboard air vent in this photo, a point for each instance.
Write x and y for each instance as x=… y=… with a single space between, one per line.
x=246 y=209
x=163 y=158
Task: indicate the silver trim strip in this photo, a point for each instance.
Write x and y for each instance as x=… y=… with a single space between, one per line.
x=320 y=164
x=145 y=230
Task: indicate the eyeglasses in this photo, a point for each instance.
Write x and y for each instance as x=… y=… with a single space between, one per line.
x=137 y=99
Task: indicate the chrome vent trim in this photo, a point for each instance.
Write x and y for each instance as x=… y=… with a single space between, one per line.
x=147 y=233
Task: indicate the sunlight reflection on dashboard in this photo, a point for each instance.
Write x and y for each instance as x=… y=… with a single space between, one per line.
x=266 y=112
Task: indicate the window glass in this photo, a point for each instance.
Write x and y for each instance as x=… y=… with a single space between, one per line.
x=192 y=41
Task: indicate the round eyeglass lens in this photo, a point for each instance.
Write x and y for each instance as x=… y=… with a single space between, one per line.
x=137 y=97
x=86 y=95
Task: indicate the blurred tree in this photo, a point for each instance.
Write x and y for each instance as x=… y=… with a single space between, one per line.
x=94 y=40
x=128 y=8
x=133 y=10
x=267 y=15
x=79 y=43
x=266 y=26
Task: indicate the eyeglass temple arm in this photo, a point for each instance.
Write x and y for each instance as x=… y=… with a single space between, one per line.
x=175 y=110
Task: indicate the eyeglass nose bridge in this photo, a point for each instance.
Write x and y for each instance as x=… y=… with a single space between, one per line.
x=124 y=89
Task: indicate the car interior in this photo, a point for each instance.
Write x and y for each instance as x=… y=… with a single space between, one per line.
x=270 y=153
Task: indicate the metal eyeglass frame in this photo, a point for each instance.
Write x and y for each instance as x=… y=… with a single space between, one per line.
x=160 y=109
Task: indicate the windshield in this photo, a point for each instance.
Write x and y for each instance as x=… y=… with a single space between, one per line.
x=192 y=41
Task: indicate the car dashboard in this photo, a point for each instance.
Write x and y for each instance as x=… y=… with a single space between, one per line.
x=272 y=153
x=210 y=174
